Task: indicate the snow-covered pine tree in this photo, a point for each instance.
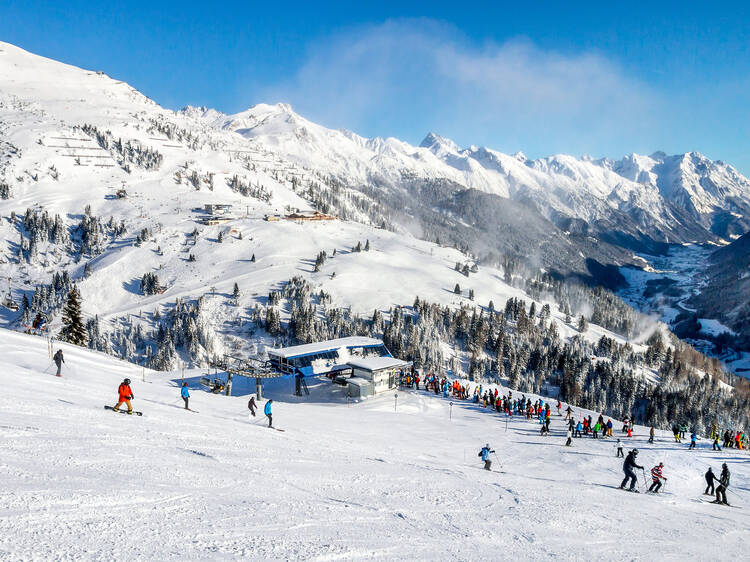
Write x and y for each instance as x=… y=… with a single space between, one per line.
x=73 y=330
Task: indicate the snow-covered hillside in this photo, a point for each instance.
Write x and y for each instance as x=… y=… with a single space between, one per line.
x=74 y=138
x=357 y=482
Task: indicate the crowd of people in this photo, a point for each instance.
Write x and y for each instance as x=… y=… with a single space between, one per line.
x=580 y=426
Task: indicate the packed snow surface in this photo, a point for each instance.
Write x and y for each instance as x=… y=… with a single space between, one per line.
x=368 y=481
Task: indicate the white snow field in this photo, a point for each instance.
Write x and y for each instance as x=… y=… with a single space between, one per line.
x=341 y=482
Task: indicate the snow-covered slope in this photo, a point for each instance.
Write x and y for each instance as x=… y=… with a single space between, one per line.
x=358 y=482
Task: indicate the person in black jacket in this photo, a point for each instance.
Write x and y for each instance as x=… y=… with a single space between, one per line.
x=710 y=477
x=59 y=360
x=627 y=468
x=721 y=489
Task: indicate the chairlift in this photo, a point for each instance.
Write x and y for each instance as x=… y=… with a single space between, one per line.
x=8 y=301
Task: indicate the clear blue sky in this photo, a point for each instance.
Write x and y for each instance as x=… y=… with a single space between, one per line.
x=541 y=78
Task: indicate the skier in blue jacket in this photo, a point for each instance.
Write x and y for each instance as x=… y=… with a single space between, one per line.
x=693 y=439
x=485 y=454
x=185 y=393
x=267 y=412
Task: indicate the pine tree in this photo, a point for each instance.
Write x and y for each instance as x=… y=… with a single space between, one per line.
x=73 y=330
x=457 y=289
x=367 y=245
x=236 y=294
x=582 y=324
x=252 y=259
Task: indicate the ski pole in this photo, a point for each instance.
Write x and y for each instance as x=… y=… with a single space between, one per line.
x=497 y=459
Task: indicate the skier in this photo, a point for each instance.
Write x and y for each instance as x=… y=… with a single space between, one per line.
x=656 y=477
x=716 y=446
x=185 y=393
x=579 y=427
x=721 y=490
x=125 y=395
x=676 y=431
x=58 y=359
x=683 y=430
x=570 y=437
x=651 y=435
x=251 y=405
x=619 y=448
x=609 y=428
x=627 y=468
x=568 y=413
x=710 y=477
x=267 y=412
x=693 y=439
x=485 y=454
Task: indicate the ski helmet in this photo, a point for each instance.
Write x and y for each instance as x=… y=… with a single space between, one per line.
x=724 y=465
x=184 y=384
x=661 y=464
x=126 y=381
x=487 y=445
x=635 y=451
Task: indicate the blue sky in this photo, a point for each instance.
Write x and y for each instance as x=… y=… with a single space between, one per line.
x=543 y=78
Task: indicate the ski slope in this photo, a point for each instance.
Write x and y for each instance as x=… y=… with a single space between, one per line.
x=357 y=482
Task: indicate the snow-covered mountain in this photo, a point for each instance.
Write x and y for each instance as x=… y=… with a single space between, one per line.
x=659 y=197
x=103 y=188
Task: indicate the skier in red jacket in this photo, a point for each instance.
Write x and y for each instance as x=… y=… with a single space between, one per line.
x=125 y=395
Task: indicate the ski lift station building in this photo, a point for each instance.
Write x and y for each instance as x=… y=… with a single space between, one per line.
x=324 y=357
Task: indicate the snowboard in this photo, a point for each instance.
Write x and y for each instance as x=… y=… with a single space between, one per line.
x=122 y=411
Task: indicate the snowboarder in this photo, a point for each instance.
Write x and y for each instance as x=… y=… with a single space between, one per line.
x=657 y=477
x=710 y=477
x=251 y=405
x=485 y=454
x=721 y=490
x=619 y=449
x=609 y=428
x=568 y=413
x=185 y=393
x=570 y=437
x=59 y=360
x=683 y=430
x=693 y=439
x=651 y=434
x=579 y=427
x=627 y=468
x=125 y=395
x=267 y=412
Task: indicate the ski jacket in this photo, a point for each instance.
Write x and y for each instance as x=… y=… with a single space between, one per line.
x=58 y=357
x=125 y=392
x=724 y=478
x=267 y=409
x=656 y=473
x=630 y=462
x=486 y=453
x=184 y=392
x=710 y=477
x=693 y=437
